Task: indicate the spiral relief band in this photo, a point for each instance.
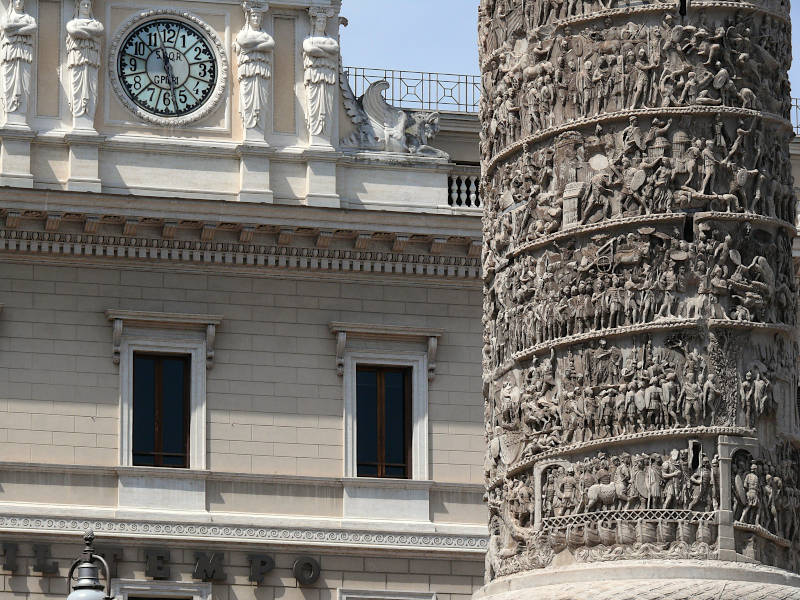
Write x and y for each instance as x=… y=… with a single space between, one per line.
x=640 y=354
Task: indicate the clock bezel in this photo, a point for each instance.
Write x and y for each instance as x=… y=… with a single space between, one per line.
x=211 y=38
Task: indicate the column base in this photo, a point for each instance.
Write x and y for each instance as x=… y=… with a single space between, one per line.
x=648 y=580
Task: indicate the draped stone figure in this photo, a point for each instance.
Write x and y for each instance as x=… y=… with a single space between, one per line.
x=84 y=35
x=640 y=301
x=321 y=62
x=16 y=55
x=253 y=49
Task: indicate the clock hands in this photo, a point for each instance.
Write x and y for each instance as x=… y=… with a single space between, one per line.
x=168 y=71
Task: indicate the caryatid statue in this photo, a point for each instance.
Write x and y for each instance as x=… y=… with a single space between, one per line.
x=640 y=303
x=321 y=62
x=253 y=48
x=84 y=36
x=16 y=56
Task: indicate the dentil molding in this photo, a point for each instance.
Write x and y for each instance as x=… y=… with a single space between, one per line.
x=170 y=530
x=238 y=254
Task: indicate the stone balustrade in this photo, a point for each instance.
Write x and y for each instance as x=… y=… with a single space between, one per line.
x=463 y=186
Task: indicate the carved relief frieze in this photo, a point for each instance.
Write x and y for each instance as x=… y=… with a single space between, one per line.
x=644 y=504
x=640 y=299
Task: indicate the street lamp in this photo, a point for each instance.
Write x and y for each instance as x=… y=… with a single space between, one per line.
x=88 y=586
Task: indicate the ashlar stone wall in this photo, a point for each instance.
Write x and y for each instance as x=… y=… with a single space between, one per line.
x=274 y=397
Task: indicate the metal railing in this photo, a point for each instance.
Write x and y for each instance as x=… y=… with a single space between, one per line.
x=796 y=115
x=418 y=90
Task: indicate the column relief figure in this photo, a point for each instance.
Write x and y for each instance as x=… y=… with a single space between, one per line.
x=320 y=59
x=253 y=49
x=16 y=55
x=84 y=36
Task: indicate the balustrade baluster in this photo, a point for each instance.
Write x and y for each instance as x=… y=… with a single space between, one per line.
x=473 y=195
x=451 y=182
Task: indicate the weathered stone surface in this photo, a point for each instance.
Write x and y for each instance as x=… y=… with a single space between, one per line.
x=640 y=300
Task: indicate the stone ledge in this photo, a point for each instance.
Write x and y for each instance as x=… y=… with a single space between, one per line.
x=60 y=521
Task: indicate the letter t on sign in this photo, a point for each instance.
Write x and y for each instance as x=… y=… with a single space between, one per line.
x=41 y=552
x=10 y=557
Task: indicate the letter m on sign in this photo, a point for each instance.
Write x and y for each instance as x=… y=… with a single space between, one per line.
x=208 y=566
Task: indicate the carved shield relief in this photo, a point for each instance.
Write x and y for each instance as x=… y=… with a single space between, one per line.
x=511 y=443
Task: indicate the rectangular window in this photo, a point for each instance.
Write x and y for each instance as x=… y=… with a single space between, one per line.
x=161 y=410
x=383 y=413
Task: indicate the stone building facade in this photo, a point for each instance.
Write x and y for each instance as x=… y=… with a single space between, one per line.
x=204 y=242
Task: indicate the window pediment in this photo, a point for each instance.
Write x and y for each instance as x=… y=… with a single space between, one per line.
x=401 y=333
x=123 y=319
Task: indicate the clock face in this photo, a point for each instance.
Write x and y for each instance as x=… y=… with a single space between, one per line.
x=167 y=67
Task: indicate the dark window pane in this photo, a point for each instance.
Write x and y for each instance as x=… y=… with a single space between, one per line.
x=367 y=470
x=144 y=460
x=367 y=416
x=396 y=472
x=395 y=395
x=144 y=411
x=160 y=410
x=383 y=422
x=173 y=409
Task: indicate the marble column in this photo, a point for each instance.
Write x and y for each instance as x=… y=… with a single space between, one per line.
x=640 y=355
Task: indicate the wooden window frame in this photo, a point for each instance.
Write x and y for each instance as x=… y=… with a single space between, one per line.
x=381 y=464
x=158 y=453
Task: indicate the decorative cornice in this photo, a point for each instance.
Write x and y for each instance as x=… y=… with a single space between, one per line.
x=162 y=320
x=170 y=530
x=228 y=476
x=386 y=332
x=238 y=254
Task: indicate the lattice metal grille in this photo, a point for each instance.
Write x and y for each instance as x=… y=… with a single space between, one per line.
x=650 y=515
x=424 y=91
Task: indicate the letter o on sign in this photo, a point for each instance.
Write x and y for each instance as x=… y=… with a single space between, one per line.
x=305 y=570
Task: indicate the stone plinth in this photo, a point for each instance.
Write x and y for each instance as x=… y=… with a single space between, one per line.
x=639 y=348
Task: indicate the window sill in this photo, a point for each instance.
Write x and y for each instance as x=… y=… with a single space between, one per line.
x=171 y=472
x=388 y=483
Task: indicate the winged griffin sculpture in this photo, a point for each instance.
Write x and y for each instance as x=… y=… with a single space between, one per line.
x=385 y=128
